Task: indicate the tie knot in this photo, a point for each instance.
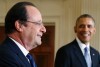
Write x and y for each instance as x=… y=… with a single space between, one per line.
x=29 y=56
x=86 y=49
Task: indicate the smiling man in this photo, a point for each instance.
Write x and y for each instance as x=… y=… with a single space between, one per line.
x=24 y=29
x=85 y=28
x=79 y=53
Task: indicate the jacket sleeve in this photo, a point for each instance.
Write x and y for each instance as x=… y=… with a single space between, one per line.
x=62 y=58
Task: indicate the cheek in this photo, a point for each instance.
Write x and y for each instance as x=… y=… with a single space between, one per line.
x=78 y=31
x=30 y=36
x=30 y=33
x=93 y=31
x=33 y=33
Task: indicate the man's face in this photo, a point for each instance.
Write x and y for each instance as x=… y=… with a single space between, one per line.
x=34 y=30
x=84 y=29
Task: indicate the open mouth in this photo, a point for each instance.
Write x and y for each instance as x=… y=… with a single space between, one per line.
x=85 y=35
x=39 y=35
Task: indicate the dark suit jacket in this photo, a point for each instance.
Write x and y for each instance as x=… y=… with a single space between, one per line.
x=11 y=55
x=71 y=55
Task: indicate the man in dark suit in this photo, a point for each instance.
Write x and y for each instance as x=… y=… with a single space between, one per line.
x=73 y=54
x=24 y=29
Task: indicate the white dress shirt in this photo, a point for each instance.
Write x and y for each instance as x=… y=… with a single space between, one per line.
x=24 y=51
x=82 y=45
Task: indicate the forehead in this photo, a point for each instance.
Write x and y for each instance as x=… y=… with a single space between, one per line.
x=33 y=13
x=85 y=21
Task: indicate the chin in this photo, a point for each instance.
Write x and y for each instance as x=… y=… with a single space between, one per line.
x=39 y=43
x=85 y=42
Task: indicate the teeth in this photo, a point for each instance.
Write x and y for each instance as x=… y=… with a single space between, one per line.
x=85 y=34
x=39 y=35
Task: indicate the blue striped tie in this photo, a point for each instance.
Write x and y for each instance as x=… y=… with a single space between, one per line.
x=32 y=62
x=87 y=57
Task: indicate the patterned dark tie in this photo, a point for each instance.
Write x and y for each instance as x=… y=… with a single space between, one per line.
x=87 y=57
x=31 y=59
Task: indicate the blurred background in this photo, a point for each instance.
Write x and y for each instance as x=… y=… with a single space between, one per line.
x=59 y=17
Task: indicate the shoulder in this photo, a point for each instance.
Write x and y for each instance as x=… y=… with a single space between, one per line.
x=8 y=58
x=95 y=54
x=93 y=50
x=7 y=50
x=69 y=45
x=68 y=48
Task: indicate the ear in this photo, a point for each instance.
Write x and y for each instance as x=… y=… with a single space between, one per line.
x=75 y=29
x=94 y=31
x=18 y=26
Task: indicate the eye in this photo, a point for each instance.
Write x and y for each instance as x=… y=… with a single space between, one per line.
x=81 y=26
x=90 y=26
x=37 y=23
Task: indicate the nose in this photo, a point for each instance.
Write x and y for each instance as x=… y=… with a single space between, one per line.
x=43 y=29
x=86 y=28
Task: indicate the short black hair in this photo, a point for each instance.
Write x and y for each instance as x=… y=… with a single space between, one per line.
x=17 y=12
x=84 y=16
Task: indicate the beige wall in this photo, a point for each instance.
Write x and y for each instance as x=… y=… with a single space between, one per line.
x=62 y=13
x=77 y=7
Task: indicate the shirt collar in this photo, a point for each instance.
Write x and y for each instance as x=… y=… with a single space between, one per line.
x=24 y=51
x=82 y=45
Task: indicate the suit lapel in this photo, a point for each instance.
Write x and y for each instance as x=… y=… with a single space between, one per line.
x=93 y=57
x=17 y=51
x=79 y=54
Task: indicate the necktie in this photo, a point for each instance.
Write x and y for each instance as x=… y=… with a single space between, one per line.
x=31 y=59
x=87 y=57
